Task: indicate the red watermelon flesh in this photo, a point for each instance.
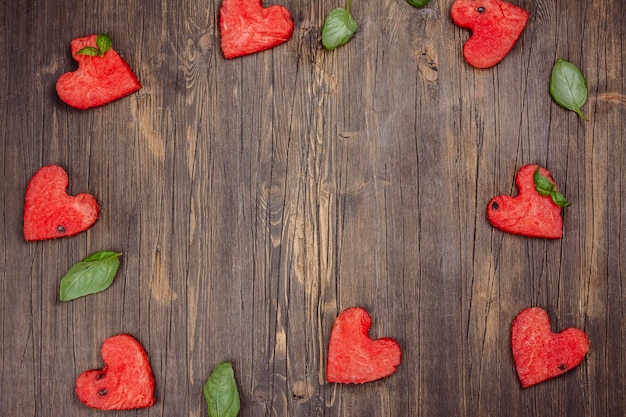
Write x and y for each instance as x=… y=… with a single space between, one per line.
x=354 y=358
x=529 y=213
x=538 y=353
x=247 y=27
x=126 y=381
x=496 y=26
x=49 y=212
x=98 y=80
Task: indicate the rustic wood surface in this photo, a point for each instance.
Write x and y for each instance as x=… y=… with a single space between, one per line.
x=256 y=198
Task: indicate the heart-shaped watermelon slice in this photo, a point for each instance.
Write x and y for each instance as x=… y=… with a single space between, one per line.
x=496 y=26
x=247 y=27
x=102 y=75
x=529 y=213
x=538 y=353
x=124 y=383
x=354 y=358
x=49 y=212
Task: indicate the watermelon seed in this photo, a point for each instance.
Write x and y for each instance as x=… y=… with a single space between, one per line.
x=100 y=376
x=103 y=392
x=495 y=206
x=61 y=229
x=481 y=9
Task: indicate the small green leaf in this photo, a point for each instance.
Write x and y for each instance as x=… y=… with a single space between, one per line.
x=220 y=392
x=546 y=188
x=339 y=27
x=560 y=200
x=544 y=192
x=418 y=3
x=568 y=86
x=93 y=274
x=88 y=50
x=544 y=185
x=104 y=43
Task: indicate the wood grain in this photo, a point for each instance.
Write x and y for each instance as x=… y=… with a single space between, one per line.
x=256 y=198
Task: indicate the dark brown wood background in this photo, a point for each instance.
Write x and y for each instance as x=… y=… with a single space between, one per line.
x=254 y=199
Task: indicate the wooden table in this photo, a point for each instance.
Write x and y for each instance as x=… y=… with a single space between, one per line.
x=254 y=199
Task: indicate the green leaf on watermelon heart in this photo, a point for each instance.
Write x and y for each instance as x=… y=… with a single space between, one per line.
x=545 y=187
x=93 y=274
x=220 y=392
x=568 y=86
x=103 y=45
x=88 y=50
x=418 y=3
x=559 y=199
x=339 y=27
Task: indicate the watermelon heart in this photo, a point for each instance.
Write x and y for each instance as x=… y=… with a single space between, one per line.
x=529 y=213
x=247 y=27
x=126 y=381
x=49 y=212
x=540 y=354
x=354 y=358
x=496 y=26
x=98 y=80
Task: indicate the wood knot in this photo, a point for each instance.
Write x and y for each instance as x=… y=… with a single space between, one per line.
x=427 y=66
x=302 y=391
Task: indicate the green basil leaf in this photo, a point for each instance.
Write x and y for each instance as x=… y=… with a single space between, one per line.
x=338 y=28
x=560 y=200
x=93 y=274
x=545 y=187
x=220 y=392
x=418 y=3
x=104 y=43
x=543 y=191
x=568 y=86
x=543 y=184
x=88 y=50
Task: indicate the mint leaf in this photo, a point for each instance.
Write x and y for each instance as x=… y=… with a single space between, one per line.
x=546 y=188
x=339 y=27
x=88 y=50
x=418 y=3
x=104 y=43
x=544 y=185
x=568 y=86
x=93 y=274
x=560 y=200
x=220 y=392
